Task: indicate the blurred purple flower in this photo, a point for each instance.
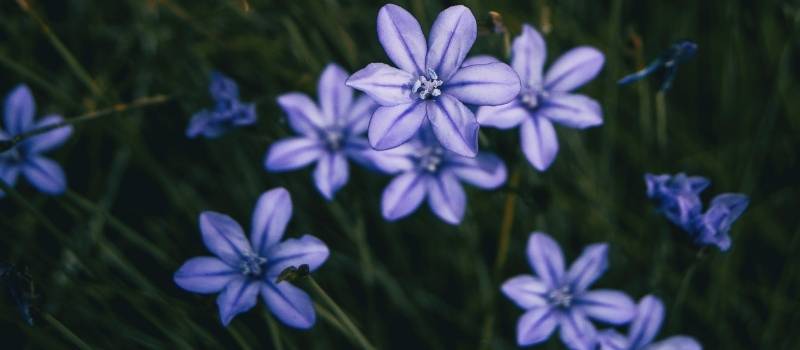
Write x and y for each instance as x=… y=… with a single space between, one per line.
x=645 y=326
x=432 y=81
x=546 y=98
x=244 y=269
x=713 y=226
x=426 y=169
x=677 y=197
x=26 y=157
x=228 y=111
x=329 y=134
x=556 y=297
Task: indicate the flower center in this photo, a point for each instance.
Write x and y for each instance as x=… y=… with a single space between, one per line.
x=332 y=138
x=253 y=266
x=428 y=87
x=430 y=158
x=561 y=297
x=532 y=96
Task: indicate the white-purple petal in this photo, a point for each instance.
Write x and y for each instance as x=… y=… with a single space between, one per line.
x=204 y=275
x=401 y=37
x=486 y=170
x=334 y=96
x=302 y=113
x=238 y=296
x=44 y=174
x=361 y=110
x=394 y=125
x=546 y=259
x=306 y=250
x=504 y=116
x=526 y=291
x=536 y=325
x=539 y=142
x=609 y=306
x=572 y=110
x=450 y=40
x=49 y=140
x=454 y=125
x=270 y=217
x=387 y=85
x=403 y=195
x=224 y=237
x=293 y=153
x=479 y=59
x=646 y=323
x=446 y=197
x=573 y=69
x=612 y=340
x=588 y=267
x=677 y=342
x=291 y=305
x=576 y=332
x=528 y=54
x=484 y=84
x=19 y=110
x=331 y=173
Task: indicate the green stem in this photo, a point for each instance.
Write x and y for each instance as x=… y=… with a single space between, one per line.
x=345 y=320
x=661 y=120
x=274 y=331
x=507 y=222
x=66 y=332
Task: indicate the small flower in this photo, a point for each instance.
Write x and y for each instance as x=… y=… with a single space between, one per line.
x=678 y=196
x=26 y=157
x=244 y=269
x=228 y=111
x=432 y=81
x=713 y=226
x=558 y=297
x=546 y=97
x=667 y=62
x=643 y=328
x=329 y=134
x=426 y=169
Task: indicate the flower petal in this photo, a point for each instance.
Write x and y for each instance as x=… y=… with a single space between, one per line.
x=9 y=173
x=49 y=140
x=446 y=197
x=528 y=53
x=45 y=174
x=293 y=153
x=357 y=118
x=612 y=340
x=546 y=259
x=504 y=116
x=539 y=142
x=222 y=87
x=572 y=110
x=387 y=85
x=646 y=323
x=289 y=304
x=403 y=195
x=303 y=115
x=677 y=342
x=401 y=37
x=390 y=161
x=484 y=84
x=573 y=69
x=592 y=263
x=486 y=170
x=306 y=250
x=331 y=173
x=609 y=306
x=536 y=325
x=204 y=274
x=577 y=332
x=334 y=96
x=270 y=217
x=19 y=110
x=479 y=59
x=450 y=40
x=526 y=291
x=392 y=126
x=734 y=203
x=454 y=124
x=224 y=237
x=202 y=124
x=237 y=297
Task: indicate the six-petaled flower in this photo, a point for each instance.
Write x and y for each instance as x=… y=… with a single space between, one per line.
x=643 y=329
x=228 y=111
x=242 y=269
x=26 y=157
x=546 y=97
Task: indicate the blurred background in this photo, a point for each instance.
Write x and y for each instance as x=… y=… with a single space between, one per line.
x=102 y=255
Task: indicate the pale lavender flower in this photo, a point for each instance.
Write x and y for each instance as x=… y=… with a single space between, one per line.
x=228 y=111
x=426 y=169
x=677 y=197
x=546 y=97
x=645 y=326
x=26 y=157
x=328 y=134
x=431 y=81
x=556 y=297
x=242 y=269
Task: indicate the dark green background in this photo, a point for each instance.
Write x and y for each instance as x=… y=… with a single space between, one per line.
x=137 y=184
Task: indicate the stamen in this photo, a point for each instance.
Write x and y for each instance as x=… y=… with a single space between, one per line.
x=428 y=86
x=252 y=265
x=430 y=158
x=561 y=297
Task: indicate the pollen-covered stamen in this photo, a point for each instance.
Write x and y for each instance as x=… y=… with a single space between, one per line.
x=253 y=265
x=427 y=86
x=561 y=297
x=430 y=158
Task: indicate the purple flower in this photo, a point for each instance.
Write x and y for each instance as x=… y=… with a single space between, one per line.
x=244 y=269
x=426 y=169
x=329 y=134
x=432 y=81
x=678 y=197
x=26 y=157
x=645 y=326
x=228 y=111
x=546 y=98
x=713 y=226
x=556 y=297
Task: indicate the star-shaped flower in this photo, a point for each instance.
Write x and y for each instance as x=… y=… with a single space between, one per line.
x=431 y=81
x=228 y=111
x=643 y=328
x=242 y=269
x=546 y=97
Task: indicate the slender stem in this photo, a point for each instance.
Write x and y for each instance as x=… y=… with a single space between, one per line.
x=507 y=221
x=39 y=216
x=273 y=330
x=238 y=338
x=331 y=319
x=346 y=322
x=687 y=278
x=661 y=120
x=66 y=332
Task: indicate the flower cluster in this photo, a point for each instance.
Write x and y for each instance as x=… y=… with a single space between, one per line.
x=678 y=198
x=228 y=111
